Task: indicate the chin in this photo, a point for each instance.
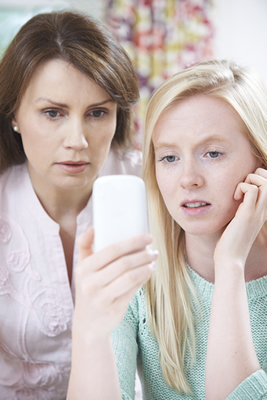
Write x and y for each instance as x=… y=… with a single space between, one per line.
x=72 y=184
x=210 y=226
x=203 y=230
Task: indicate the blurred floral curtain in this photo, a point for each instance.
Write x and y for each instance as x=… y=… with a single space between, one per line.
x=162 y=37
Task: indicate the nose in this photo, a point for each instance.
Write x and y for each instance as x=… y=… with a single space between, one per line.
x=191 y=176
x=75 y=137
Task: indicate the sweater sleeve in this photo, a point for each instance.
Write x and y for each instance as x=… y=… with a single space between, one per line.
x=252 y=388
x=124 y=341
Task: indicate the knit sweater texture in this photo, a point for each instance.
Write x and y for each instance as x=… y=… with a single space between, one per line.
x=135 y=347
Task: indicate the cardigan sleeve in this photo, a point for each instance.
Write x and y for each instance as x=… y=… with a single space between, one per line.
x=124 y=341
x=252 y=388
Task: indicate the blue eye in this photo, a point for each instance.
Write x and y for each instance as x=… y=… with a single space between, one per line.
x=214 y=154
x=170 y=159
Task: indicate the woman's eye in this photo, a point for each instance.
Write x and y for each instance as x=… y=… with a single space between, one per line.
x=97 y=113
x=52 y=113
x=214 y=154
x=170 y=159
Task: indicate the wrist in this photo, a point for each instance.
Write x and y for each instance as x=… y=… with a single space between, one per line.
x=90 y=336
x=229 y=268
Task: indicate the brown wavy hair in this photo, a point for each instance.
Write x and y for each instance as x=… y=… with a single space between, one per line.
x=84 y=43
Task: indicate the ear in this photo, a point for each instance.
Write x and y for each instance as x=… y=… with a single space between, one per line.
x=15 y=125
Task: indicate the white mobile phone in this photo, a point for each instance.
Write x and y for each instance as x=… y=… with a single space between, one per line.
x=119 y=209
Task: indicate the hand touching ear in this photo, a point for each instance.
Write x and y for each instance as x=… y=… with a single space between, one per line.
x=254 y=188
x=231 y=356
x=240 y=234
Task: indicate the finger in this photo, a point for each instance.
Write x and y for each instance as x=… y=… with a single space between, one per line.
x=121 y=303
x=85 y=243
x=111 y=253
x=262 y=172
x=256 y=179
x=130 y=281
x=261 y=182
x=259 y=178
x=248 y=191
x=126 y=263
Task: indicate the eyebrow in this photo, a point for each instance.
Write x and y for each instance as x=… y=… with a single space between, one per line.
x=66 y=106
x=201 y=142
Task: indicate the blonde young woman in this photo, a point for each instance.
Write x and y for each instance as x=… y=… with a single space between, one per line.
x=198 y=329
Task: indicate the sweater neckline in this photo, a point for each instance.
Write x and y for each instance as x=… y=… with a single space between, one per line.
x=255 y=289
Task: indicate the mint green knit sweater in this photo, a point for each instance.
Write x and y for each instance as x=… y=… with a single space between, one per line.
x=134 y=346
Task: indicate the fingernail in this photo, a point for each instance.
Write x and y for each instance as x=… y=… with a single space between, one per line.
x=153 y=252
x=152 y=265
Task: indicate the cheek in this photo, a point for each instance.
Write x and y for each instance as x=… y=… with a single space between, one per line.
x=29 y=139
x=35 y=142
x=230 y=179
x=112 y=130
x=110 y=124
x=224 y=195
x=166 y=185
x=103 y=135
x=159 y=178
x=33 y=130
x=113 y=126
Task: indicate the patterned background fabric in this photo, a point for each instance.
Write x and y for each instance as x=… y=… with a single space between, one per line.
x=162 y=37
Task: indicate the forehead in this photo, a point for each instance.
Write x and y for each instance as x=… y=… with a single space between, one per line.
x=197 y=118
x=57 y=77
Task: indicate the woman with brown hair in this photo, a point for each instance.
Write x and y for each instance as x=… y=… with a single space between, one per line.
x=66 y=91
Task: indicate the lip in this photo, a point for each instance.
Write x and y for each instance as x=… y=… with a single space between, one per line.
x=194 y=211
x=73 y=167
x=72 y=162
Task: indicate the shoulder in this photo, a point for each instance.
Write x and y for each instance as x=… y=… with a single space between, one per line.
x=133 y=317
x=4 y=177
x=120 y=161
x=16 y=192
x=11 y=177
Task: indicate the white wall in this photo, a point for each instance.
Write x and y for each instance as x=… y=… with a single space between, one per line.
x=240 y=26
x=241 y=33
x=93 y=7
x=14 y=13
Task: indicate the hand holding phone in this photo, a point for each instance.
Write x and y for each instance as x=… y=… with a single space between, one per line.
x=107 y=278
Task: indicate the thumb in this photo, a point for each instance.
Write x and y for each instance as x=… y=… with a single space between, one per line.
x=85 y=243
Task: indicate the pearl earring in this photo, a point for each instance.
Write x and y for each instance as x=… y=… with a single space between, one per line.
x=15 y=128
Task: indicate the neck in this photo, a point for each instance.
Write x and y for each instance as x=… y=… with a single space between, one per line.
x=60 y=203
x=256 y=265
x=64 y=205
x=200 y=251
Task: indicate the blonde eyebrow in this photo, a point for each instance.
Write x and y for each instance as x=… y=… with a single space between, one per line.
x=206 y=140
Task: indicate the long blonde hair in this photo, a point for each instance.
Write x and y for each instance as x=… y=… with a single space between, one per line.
x=167 y=293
